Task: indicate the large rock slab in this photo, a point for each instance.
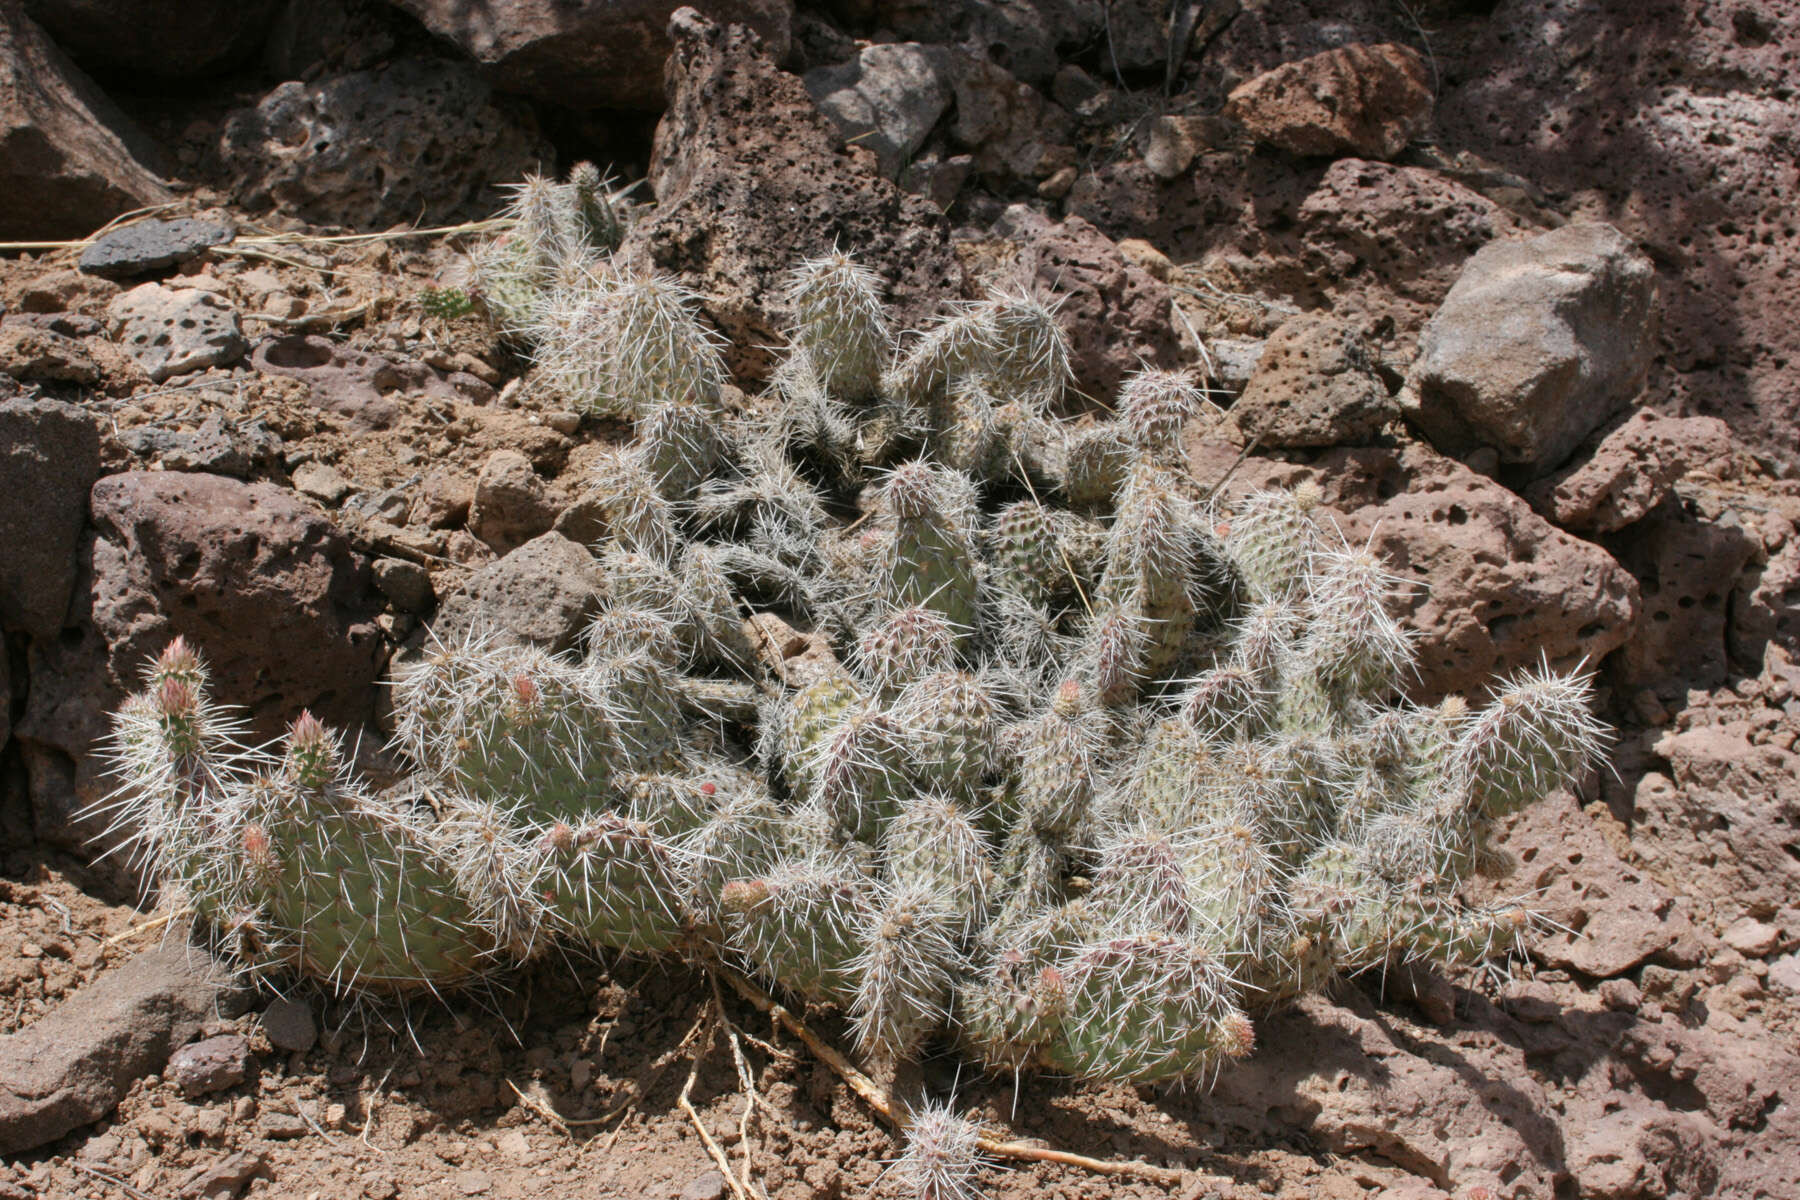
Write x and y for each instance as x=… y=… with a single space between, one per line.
x=70 y=161
x=1540 y=342
x=585 y=53
x=413 y=141
x=1358 y=1085
x=265 y=587
x=50 y=454
x=750 y=178
x=72 y=1067
x=1363 y=101
x=1491 y=587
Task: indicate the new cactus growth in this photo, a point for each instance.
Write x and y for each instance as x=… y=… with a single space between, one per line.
x=1106 y=771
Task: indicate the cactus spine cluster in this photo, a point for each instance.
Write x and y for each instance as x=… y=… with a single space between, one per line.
x=1103 y=769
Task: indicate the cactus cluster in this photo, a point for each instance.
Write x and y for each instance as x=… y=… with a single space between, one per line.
x=1102 y=769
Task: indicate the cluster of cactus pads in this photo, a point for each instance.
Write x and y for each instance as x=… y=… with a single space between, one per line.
x=1101 y=770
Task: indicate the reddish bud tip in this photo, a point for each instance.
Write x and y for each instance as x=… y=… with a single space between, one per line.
x=709 y=789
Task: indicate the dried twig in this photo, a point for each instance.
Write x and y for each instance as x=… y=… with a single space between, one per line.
x=877 y=1099
x=153 y=923
x=713 y=1010
x=108 y=1177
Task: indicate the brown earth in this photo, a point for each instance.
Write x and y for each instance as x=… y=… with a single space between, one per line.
x=1643 y=1048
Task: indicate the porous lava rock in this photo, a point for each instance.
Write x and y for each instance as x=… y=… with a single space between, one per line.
x=1366 y=101
x=750 y=177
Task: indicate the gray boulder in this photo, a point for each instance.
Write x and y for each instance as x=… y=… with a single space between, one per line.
x=1539 y=343
x=886 y=98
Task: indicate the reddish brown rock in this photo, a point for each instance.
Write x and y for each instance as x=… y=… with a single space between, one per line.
x=1629 y=472
x=1721 y=821
x=750 y=178
x=70 y=161
x=1494 y=587
x=50 y=452
x=1315 y=385
x=1687 y=569
x=1606 y=916
x=542 y=594
x=511 y=504
x=1358 y=1086
x=73 y=1066
x=1113 y=311
x=1367 y=101
x=270 y=591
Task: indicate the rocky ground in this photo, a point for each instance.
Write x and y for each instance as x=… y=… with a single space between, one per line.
x=254 y=426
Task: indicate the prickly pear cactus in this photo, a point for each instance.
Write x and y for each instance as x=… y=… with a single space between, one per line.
x=1104 y=767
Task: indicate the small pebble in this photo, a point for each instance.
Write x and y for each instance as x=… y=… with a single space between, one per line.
x=289 y=1026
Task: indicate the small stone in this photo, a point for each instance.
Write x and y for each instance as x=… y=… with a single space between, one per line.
x=443 y=500
x=210 y=1066
x=31 y=950
x=289 y=1025
x=1752 y=938
x=710 y=1186
x=472 y=1183
x=171 y=331
x=1058 y=184
x=220 y=1180
x=565 y=423
x=279 y=1126
x=1784 y=972
x=146 y=246
x=513 y=1143
x=321 y=482
x=407 y=584
x=1621 y=995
